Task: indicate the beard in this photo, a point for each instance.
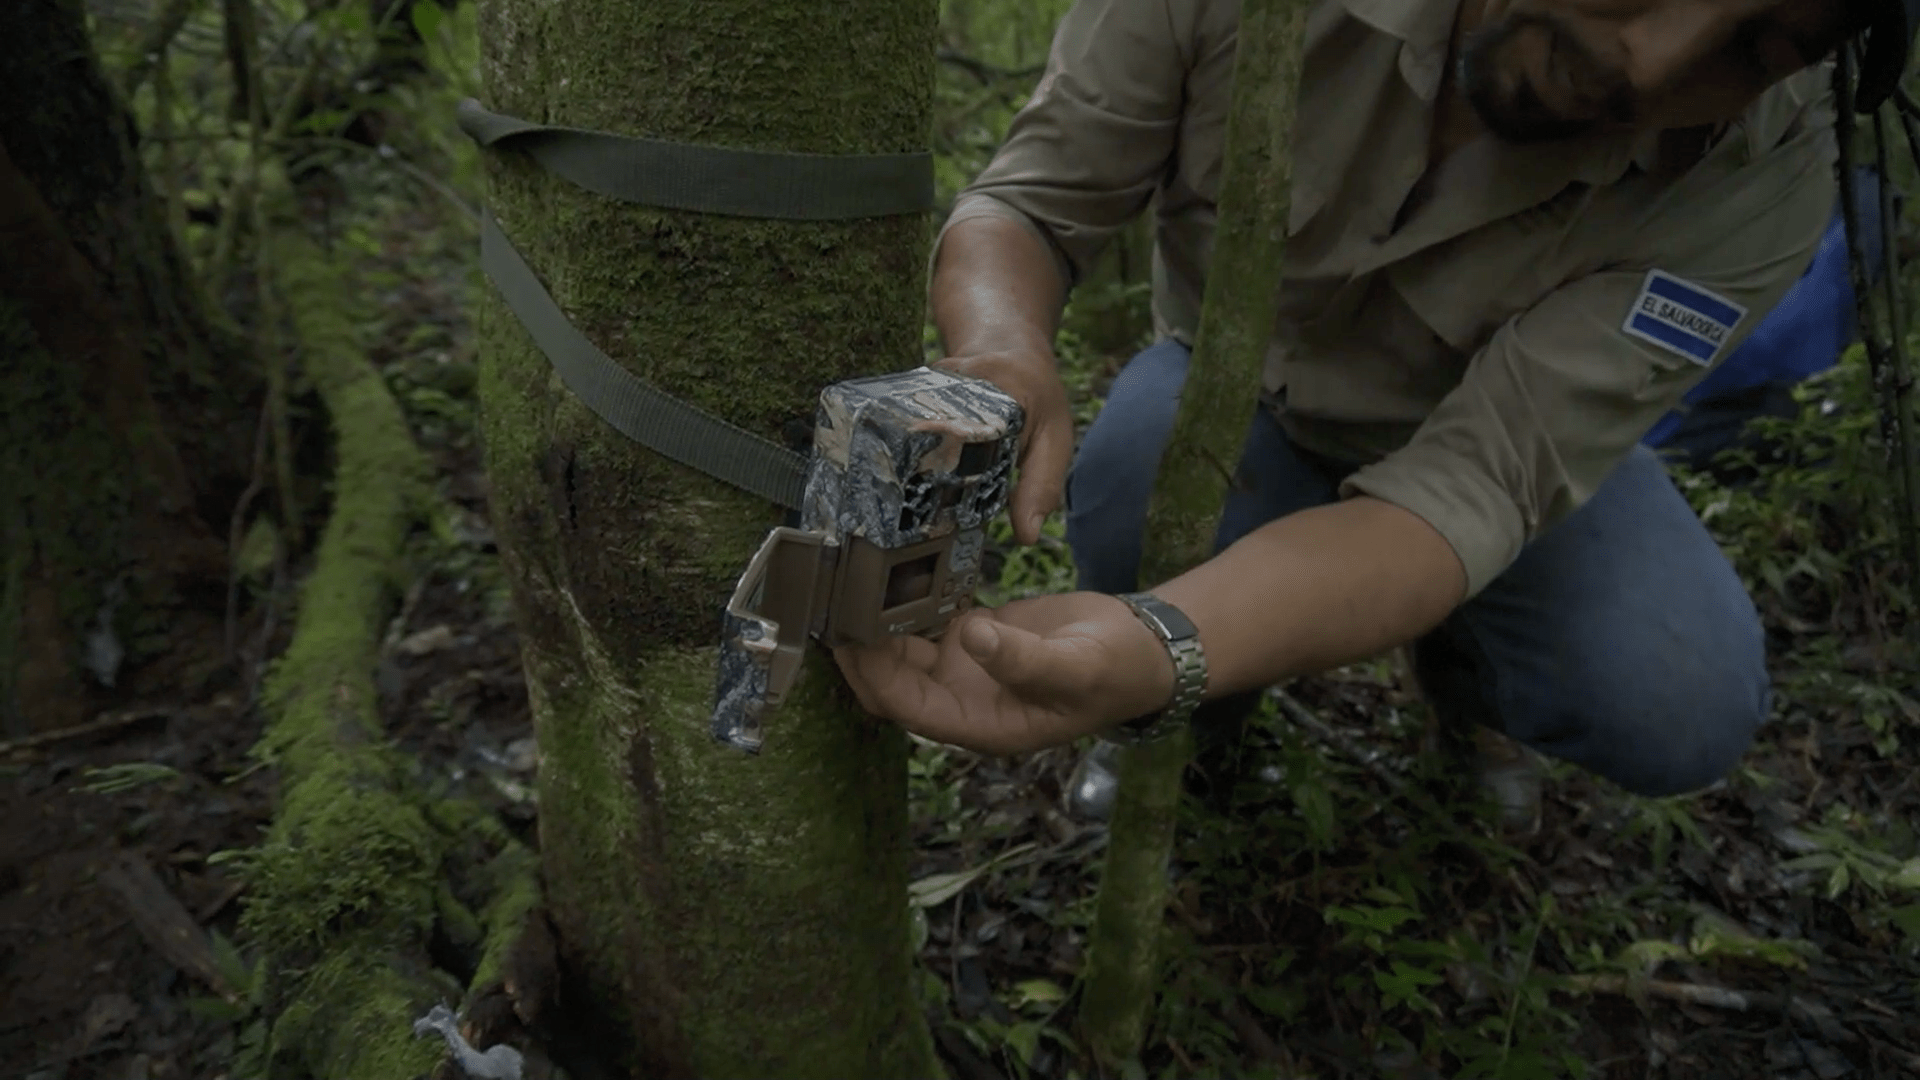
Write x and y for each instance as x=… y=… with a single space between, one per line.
x=1498 y=88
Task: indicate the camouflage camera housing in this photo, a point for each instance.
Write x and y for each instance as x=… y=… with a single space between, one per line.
x=907 y=470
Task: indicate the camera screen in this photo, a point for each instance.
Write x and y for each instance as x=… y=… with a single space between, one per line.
x=910 y=581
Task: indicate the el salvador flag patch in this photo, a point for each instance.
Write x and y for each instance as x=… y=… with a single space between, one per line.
x=1682 y=317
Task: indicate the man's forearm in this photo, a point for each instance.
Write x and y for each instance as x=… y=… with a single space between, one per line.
x=1317 y=589
x=996 y=289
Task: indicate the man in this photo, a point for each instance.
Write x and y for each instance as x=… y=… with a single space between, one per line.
x=1802 y=336
x=1520 y=231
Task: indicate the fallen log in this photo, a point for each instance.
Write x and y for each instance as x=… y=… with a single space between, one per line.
x=342 y=894
x=360 y=870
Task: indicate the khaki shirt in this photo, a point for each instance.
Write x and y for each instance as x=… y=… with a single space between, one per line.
x=1490 y=356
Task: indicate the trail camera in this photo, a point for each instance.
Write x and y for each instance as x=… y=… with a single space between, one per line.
x=907 y=470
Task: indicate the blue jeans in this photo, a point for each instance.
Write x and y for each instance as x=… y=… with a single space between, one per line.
x=1620 y=640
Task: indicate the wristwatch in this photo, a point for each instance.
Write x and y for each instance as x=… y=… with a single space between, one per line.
x=1182 y=640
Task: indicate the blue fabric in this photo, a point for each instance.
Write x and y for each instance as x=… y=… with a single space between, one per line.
x=1803 y=335
x=1621 y=640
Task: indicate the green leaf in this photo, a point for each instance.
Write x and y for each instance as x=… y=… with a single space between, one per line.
x=936 y=889
x=231 y=965
x=1380 y=894
x=254 y=562
x=1378 y=919
x=1037 y=992
x=1315 y=804
x=917 y=927
x=427 y=17
x=1643 y=957
x=1907 y=877
x=1024 y=1038
x=1417 y=976
x=1277 y=1003
x=1907 y=919
x=115 y=779
x=1787 y=954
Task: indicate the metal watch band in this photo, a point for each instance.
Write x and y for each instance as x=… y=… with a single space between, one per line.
x=1182 y=640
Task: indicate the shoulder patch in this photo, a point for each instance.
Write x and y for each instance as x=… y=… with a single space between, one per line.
x=1682 y=317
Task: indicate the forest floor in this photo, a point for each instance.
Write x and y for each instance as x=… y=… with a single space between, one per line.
x=1346 y=913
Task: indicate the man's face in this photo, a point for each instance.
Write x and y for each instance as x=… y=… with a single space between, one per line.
x=1536 y=70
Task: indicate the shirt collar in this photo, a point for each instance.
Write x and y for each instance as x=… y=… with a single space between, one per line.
x=1424 y=29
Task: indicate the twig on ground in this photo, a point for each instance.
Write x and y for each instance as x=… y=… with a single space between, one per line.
x=1713 y=997
x=236 y=525
x=1253 y=1036
x=164 y=921
x=219 y=903
x=1396 y=785
x=1306 y=718
x=105 y=723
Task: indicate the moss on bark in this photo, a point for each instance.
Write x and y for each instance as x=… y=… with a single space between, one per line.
x=352 y=1018
x=512 y=883
x=718 y=915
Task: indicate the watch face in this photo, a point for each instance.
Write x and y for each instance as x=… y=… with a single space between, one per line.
x=1168 y=621
x=1182 y=640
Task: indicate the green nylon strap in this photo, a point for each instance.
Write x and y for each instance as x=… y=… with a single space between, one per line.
x=649 y=416
x=715 y=179
x=702 y=179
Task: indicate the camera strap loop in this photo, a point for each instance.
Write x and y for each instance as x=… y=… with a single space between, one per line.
x=714 y=179
x=642 y=412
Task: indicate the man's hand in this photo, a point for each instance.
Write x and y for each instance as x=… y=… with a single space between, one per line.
x=1046 y=437
x=997 y=296
x=1035 y=673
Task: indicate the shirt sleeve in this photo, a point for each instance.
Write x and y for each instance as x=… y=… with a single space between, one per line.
x=1085 y=153
x=1565 y=390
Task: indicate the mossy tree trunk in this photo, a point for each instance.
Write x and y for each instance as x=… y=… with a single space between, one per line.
x=717 y=915
x=123 y=440
x=1236 y=322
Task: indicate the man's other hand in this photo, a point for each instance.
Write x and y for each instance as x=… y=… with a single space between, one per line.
x=1034 y=673
x=1046 y=437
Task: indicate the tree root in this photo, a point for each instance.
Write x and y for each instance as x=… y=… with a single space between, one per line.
x=512 y=996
